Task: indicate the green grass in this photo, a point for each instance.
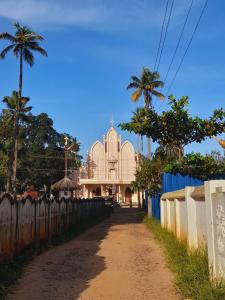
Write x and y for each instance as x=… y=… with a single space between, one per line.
x=11 y=270
x=190 y=269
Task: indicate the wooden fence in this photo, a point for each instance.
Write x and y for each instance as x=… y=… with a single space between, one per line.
x=27 y=221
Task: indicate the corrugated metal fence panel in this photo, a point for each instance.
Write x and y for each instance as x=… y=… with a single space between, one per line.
x=156 y=206
x=173 y=182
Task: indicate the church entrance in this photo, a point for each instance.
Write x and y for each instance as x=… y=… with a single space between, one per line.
x=98 y=191
x=128 y=196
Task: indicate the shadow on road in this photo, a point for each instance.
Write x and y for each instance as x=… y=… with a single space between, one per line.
x=64 y=272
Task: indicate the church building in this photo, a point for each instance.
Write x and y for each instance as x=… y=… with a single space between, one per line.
x=110 y=169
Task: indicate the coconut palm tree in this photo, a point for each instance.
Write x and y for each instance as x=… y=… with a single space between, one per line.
x=17 y=110
x=23 y=43
x=146 y=85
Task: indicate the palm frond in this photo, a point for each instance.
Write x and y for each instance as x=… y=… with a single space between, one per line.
x=28 y=57
x=153 y=85
x=158 y=83
x=16 y=50
x=22 y=30
x=136 y=95
x=6 y=100
x=35 y=47
x=36 y=37
x=27 y=109
x=136 y=79
x=7 y=36
x=133 y=85
x=10 y=102
x=146 y=70
x=24 y=101
x=6 y=50
x=158 y=95
x=17 y=25
x=155 y=75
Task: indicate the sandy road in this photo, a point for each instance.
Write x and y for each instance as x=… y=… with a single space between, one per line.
x=117 y=259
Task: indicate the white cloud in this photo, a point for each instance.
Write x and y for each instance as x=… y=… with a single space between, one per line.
x=49 y=12
x=100 y=15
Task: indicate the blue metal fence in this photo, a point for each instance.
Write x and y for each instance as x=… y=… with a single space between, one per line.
x=172 y=182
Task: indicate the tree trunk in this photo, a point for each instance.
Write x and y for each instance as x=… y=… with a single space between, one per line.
x=14 y=166
x=16 y=125
x=139 y=199
x=149 y=143
x=21 y=74
x=148 y=103
x=9 y=171
x=66 y=166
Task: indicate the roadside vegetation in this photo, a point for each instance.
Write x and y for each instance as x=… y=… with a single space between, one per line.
x=173 y=130
x=190 y=269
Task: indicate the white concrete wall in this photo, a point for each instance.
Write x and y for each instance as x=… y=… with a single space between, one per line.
x=171 y=215
x=163 y=211
x=215 y=221
x=199 y=218
x=196 y=220
x=181 y=219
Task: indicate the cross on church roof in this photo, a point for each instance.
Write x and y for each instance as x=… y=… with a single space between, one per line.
x=112 y=122
x=66 y=140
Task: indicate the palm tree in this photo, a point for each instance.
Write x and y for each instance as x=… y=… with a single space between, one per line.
x=23 y=43
x=17 y=110
x=146 y=85
x=169 y=152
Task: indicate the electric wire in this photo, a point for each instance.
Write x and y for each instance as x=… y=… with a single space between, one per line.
x=165 y=35
x=161 y=34
x=179 y=40
x=188 y=46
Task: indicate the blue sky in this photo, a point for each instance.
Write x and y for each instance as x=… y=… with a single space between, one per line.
x=94 y=46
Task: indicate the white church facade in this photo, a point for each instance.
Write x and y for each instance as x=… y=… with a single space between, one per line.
x=110 y=169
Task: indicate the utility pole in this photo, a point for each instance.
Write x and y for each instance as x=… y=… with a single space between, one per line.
x=66 y=149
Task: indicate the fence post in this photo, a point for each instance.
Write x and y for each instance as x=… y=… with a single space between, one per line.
x=149 y=199
x=17 y=228
x=35 y=223
x=48 y=224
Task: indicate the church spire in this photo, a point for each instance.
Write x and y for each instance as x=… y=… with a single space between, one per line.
x=112 y=122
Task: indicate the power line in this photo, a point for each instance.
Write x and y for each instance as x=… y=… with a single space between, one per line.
x=49 y=157
x=179 y=40
x=164 y=39
x=161 y=33
x=188 y=46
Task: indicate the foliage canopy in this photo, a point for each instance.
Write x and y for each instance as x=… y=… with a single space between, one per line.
x=175 y=128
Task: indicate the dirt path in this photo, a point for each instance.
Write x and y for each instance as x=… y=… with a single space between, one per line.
x=117 y=259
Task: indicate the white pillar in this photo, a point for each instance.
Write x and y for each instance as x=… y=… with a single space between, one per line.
x=196 y=219
x=102 y=190
x=171 y=215
x=163 y=211
x=149 y=206
x=215 y=221
x=181 y=218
